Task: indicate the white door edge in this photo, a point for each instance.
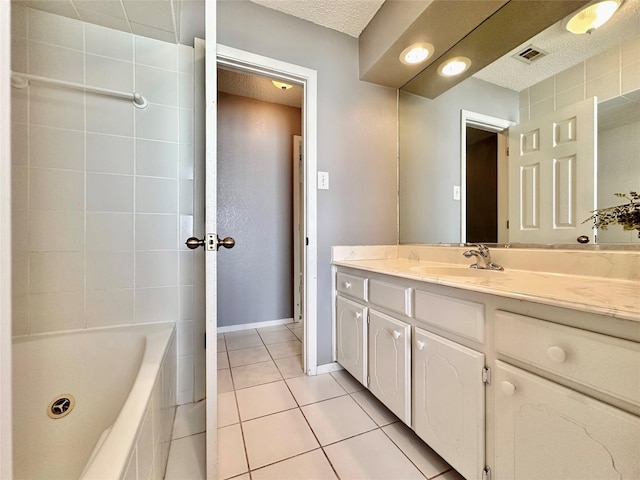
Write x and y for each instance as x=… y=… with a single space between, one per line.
x=258 y=64
x=481 y=122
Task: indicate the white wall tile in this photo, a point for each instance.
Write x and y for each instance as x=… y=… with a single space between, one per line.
x=186 y=161
x=109 y=73
x=157 y=159
x=155 y=53
x=52 y=189
x=186 y=303
x=19 y=55
x=186 y=231
x=109 y=115
x=20 y=273
x=19 y=144
x=19 y=315
x=109 y=231
x=156 y=195
x=54 y=272
x=186 y=268
x=156 y=232
x=98 y=18
x=570 y=78
x=542 y=90
x=56 y=148
x=20 y=231
x=56 y=62
x=110 y=153
x=542 y=108
x=109 y=307
x=604 y=63
x=185 y=373
x=46 y=234
x=186 y=197
x=185 y=338
x=18 y=20
x=630 y=51
x=185 y=59
x=108 y=42
x=19 y=189
x=186 y=91
x=631 y=77
x=109 y=193
x=145 y=447
x=156 y=269
x=55 y=29
x=604 y=87
x=109 y=270
x=56 y=311
x=186 y=126
x=56 y=107
x=156 y=304
x=157 y=85
x=19 y=105
x=570 y=96
x=132 y=467
x=157 y=122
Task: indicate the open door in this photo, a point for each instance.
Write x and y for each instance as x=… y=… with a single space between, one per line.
x=552 y=176
x=298 y=228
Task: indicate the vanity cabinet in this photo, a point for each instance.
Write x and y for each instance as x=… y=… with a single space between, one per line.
x=351 y=338
x=390 y=363
x=449 y=401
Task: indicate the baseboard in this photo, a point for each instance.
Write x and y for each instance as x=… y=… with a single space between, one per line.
x=328 y=368
x=248 y=326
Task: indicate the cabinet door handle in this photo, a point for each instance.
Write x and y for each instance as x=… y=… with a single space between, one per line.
x=358 y=315
x=420 y=345
x=557 y=354
x=347 y=285
x=396 y=334
x=508 y=388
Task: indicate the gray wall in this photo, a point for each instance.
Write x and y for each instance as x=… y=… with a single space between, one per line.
x=429 y=140
x=356 y=134
x=255 y=195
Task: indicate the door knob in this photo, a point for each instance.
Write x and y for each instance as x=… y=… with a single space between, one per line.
x=583 y=239
x=211 y=241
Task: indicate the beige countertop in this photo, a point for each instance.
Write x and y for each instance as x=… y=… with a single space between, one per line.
x=615 y=297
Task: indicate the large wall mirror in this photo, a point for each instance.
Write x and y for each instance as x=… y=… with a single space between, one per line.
x=453 y=174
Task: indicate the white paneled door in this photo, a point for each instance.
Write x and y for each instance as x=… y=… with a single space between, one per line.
x=552 y=176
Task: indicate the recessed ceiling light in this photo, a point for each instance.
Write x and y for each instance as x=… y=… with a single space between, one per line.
x=416 y=53
x=281 y=85
x=454 y=66
x=593 y=15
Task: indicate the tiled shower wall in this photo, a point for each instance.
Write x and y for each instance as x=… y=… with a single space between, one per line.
x=103 y=191
x=609 y=74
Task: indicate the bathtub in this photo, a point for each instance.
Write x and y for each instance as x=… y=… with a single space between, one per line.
x=115 y=391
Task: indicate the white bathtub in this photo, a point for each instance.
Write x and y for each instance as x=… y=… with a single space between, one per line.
x=123 y=381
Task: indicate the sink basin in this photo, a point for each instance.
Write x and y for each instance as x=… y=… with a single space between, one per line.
x=454 y=271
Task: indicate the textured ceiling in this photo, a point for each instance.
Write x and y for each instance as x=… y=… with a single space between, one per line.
x=565 y=50
x=346 y=16
x=257 y=87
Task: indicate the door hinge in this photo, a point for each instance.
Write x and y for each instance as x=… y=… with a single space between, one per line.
x=368 y=380
x=205 y=341
x=507 y=151
x=307 y=241
x=507 y=224
x=486 y=375
x=486 y=473
x=368 y=319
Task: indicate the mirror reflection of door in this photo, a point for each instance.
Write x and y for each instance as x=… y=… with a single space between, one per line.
x=482 y=186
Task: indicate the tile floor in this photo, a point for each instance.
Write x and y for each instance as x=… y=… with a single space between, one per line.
x=275 y=423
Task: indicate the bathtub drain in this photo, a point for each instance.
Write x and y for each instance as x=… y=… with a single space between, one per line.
x=61 y=406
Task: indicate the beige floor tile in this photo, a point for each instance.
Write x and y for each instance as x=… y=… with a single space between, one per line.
x=255 y=374
x=231 y=457
x=374 y=408
x=450 y=475
x=247 y=356
x=244 y=476
x=243 y=341
x=222 y=346
x=347 y=382
x=371 y=456
x=290 y=366
x=227 y=409
x=190 y=419
x=264 y=400
x=223 y=360
x=286 y=349
x=336 y=419
x=308 y=390
x=225 y=384
x=297 y=331
x=309 y=466
x=279 y=336
x=423 y=457
x=240 y=333
x=277 y=437
x=187 y=459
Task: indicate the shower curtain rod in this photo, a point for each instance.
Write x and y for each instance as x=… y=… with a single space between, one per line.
x=22 y=80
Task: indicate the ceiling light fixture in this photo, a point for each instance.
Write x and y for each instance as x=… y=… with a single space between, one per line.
x=591 y=16
x=281 y=85
x=454 y=66
x=416 y=53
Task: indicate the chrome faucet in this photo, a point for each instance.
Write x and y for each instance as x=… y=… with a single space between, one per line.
x=483 y=256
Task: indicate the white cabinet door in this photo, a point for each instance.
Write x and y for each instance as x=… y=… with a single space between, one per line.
x=552 y=175
x=547 y=431
x=389 y=363
x=448 y=401
x=351 y=341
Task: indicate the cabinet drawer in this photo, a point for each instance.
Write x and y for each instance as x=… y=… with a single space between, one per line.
x=393 y=297
x=607 y=364
x=451 y=314
x=352 y=285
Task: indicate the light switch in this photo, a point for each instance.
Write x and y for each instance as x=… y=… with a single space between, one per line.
x=456 y=192
x=323 y=180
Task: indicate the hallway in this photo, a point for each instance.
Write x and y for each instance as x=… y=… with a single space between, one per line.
x=276 y=423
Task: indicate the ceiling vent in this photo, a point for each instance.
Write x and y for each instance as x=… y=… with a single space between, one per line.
x=530 y=54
